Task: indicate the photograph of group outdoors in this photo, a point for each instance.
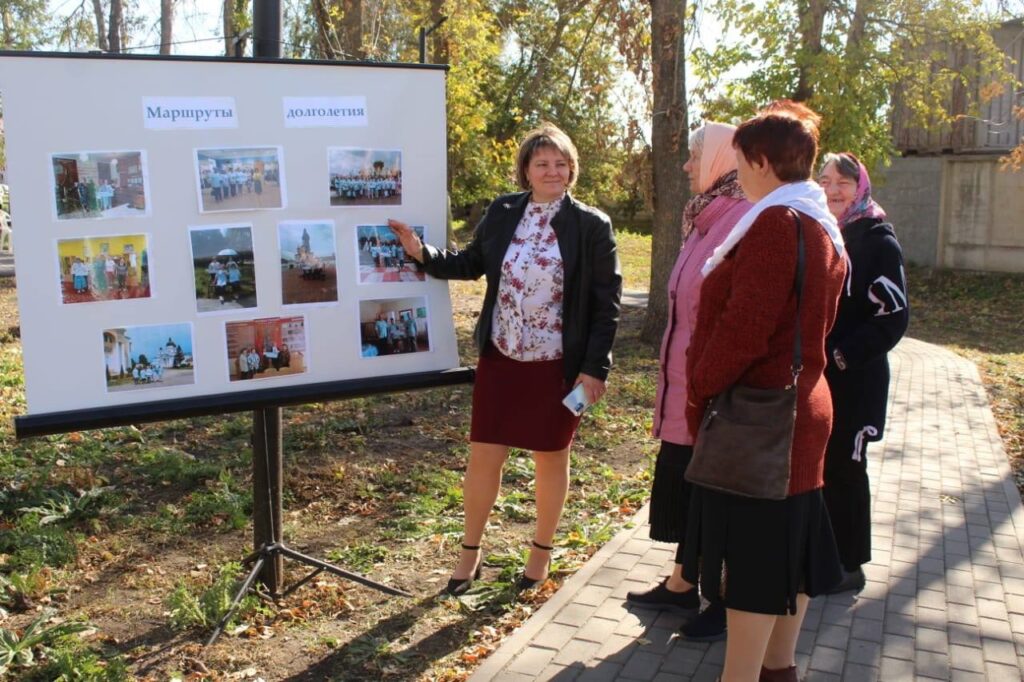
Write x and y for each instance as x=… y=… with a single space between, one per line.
x=267 y=347
x=393 y=326
x=100 y=185
x=365 y=177
x=106 y=268
x=225 y=273
x=382 y=258
x=308 y=262
x=240 y=178
x=151 y=356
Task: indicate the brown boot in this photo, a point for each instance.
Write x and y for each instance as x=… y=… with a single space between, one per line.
x=782 y=675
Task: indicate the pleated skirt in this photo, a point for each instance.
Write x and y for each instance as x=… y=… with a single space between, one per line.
x=759 y=554
x=670 y=493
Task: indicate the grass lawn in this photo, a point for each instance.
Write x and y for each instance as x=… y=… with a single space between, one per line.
x=138 y=531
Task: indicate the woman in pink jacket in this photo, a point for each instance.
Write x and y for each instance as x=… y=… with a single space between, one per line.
x=717 y=204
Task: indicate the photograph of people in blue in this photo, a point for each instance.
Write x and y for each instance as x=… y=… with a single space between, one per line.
x=393 y=326
x=382 y=258
x=240 y=179
x=364 y=177
x=224 y=267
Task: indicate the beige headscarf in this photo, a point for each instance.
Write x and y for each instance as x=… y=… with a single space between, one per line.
x=718 y=157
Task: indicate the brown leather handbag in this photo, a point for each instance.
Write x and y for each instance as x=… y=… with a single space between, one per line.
x=744 y=442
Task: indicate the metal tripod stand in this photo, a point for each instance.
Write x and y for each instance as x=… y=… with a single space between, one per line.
x=272 y=550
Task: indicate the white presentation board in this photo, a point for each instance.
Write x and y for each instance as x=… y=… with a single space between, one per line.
x=188 y=228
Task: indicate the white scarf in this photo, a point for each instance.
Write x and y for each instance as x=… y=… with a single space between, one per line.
x=807 y=197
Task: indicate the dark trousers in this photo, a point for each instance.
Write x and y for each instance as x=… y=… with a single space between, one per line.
x=847 y=496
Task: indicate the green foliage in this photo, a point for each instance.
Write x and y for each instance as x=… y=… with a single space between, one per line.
x=361 y=557
x=169 y=466
x=191 y=608
x=21 y=650
x=224 y=502
x=24 y=24
x=901 y=58
x=19 y=589
x=67 y=506
x=72 y=662
x=30 y=545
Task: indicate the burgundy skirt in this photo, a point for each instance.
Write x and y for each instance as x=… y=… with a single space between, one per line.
x=519 y=404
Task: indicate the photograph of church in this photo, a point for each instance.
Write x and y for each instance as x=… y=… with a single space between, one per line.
x=151 y=356
x=309 y=273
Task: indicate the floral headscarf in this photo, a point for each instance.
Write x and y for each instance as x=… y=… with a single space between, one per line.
x=863 y=205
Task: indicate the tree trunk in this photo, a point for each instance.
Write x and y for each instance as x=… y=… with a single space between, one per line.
x=439 y=53
x=812 y=23
x=858 y=26
x=324 y=37
x=166 y=24
x=352 y=29
x=7 y=25
x=229 y=28
x=101 y=25
x=116 y=25
x=668 y=154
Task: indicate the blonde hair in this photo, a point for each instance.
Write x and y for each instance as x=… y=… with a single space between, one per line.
x=551 y=136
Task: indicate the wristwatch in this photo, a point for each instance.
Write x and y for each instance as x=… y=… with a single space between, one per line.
x=840 y=361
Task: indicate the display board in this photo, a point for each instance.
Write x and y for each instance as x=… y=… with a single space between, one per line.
x=195 y=228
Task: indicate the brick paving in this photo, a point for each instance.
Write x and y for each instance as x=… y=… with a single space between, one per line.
x=945 y=593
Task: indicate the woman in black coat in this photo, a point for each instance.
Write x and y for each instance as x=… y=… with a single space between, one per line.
x=872 y=317
x=549 y=317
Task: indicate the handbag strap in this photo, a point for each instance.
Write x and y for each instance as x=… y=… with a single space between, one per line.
x=797 y=365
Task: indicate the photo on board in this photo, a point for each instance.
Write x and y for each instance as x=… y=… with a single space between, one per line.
x=364 y=177
x=382 y=258
x=266 y=348
x=103 y=268
x=224 y=267
x=309 y=262
x=240 y=178
x=100 y=185
x=393 y=326
x=149 y=356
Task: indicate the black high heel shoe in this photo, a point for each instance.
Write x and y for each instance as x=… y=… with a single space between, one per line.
x=525 y=582
x=457 y=586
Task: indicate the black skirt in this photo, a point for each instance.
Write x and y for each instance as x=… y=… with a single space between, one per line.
x=670 y=493
x=770 y=550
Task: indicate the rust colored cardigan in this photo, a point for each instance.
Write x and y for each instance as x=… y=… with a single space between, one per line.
x=745 y=330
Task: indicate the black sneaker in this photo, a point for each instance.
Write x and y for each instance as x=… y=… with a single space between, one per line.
x=708 y=626
x=661 y=598
x=853 y=581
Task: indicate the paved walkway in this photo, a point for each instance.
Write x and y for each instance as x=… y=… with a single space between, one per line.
x=945 y=592
x=6 y=264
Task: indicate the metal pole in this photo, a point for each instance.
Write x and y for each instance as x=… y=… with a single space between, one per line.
x=424 y=32
x=266 y=28
x=267 y=458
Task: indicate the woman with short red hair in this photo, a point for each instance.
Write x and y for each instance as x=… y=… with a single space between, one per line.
x=776 y=553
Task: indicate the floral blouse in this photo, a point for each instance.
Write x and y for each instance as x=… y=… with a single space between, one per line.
x=527 y=323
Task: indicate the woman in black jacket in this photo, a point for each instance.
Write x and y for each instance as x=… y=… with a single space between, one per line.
x=872 y=317
x=549 y=317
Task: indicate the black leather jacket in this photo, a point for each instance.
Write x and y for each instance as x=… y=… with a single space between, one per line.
x=593 y=283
